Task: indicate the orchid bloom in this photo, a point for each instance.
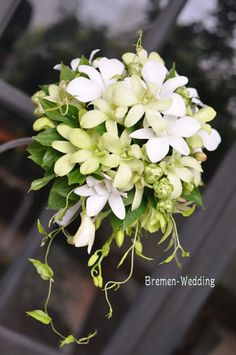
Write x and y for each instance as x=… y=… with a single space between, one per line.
x=93 y=87
x=165 y=132
x=85 y=235
x=206 y=137
x=179 y=169
x=155 y=72
x=149 y=94
x=63 y=217
x=99 y=193
x=75 y=62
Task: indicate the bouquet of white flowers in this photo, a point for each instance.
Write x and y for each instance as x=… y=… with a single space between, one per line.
x=123 y=140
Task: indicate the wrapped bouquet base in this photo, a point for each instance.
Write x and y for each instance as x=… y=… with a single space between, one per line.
x=124 y=140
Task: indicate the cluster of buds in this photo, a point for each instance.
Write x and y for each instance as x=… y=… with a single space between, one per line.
x=165 y=206
x=163 y=189
x=152 y=173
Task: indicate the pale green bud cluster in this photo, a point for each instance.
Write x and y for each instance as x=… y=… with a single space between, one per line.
x=163 y=189
x=165 y=206
x=152 y=173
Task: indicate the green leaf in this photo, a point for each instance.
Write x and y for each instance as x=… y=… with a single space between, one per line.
x=132 y=216
x=52 y=111
x=101 y=128
x=168 y=260
x=189 y=211
x=75 y=177
x=68 y=340
x=49 y=158
x=47 y=137
x=39 y=183
x=66 y=73
x=59 y=192
x=41 y=229
x=130 y=198
x=116 y=223
x=167 y=232
x=37 y=152
x=172 y=72
x=42 y=269
x=40 y=316
x=194 y=196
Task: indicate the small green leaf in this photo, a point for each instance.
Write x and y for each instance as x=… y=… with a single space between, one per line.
x=75 y=177
x=49 y=158
x=189 y=211
x=172 y=72
x=167 y=260
x=194 y=196
x=167 y=232
x=101 y=128
x=132 y=216
x=40 y=316
x=39 y=183
x=47 y=137
x=66 y=73
x=37 y=152
x=42 y=269
x=59 y=192
x=41 y=229
x=68 y=340
x=52 y=111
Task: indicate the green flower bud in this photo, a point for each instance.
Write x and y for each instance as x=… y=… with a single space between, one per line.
x=152 y=173
x=200 y=156
x=138 y=248
x=188 y=186
x=119 y=236
x=165 y=206
x=42 y=123
x=100 y=281
x=92 y=260
x=163 y=189
x=38 y=95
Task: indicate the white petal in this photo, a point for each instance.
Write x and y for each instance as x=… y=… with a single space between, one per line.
x=57 y=67
x=177 y=185
x=69 y=214
x=157 y=148
x=143 y=133
x=154 y=72
x=172 y=84
x=92 y=54
x=123 y=176
x=101 y=189
x=137 y=198
x=184 y=174
x=185 y=127
x=85 y=234
x=75 y=63
x=117 y=205
x=191 y=163
x=179 y=144
x=110 y=68
x=134 y=115
x=95 y=204
x=91 y=181
x=212 y=140
x=83 y=191
x=93 y=74
x=84 y=89
x=177 y=107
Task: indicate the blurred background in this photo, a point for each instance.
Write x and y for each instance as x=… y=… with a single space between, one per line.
x=36 y=35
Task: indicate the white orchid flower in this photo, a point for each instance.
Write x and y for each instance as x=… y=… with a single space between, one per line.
x=75 y=62
x=93 y=87
x=179 y=169
x=85 y=235
x=165 y=132
x=210 y=140
x=155 y=72
x=99 y=193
